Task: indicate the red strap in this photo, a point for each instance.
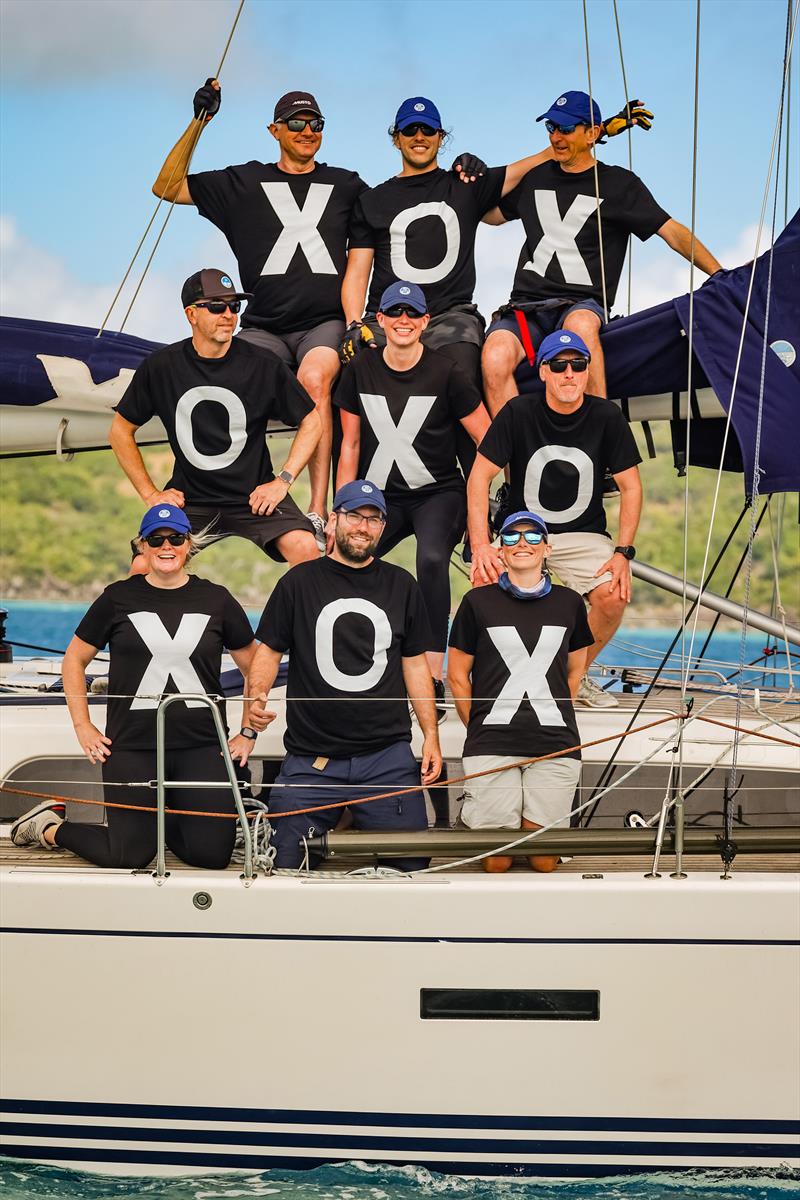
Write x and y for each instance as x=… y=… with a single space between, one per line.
x=525 y=336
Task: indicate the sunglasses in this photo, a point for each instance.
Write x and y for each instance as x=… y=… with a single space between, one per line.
x=551 y=127
x=420 y=127
x=532 y=537
x=401 y=310
x=298 y=124
x=217 y=307
x=559 y=365
x=157 y=539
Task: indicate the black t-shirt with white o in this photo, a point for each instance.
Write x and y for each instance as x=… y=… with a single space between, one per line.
x=215 y=412
x=347 y=630
x=558 y=209
x=422 y=229
x=407 y=433
x=289 y=235
x=519 y=674
x=557 y=461
x=163 y=641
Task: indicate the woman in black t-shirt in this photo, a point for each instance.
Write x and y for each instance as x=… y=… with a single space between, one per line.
x=165 y=631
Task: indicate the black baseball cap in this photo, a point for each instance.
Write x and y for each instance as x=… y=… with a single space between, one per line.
x=210 y=284
x=295 y=102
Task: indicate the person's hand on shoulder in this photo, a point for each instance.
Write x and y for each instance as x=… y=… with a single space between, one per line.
x=487 y=565
x=468 y=167
x=207 y=100
x=168 y=496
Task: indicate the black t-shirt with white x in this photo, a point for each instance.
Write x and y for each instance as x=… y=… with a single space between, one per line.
x=557 y=460
x=347 y=630
x=289 y=235
x=163 y=641
x=519 y=674
x=215 y=412
x=408 y=421
x=558 y=209
x=422 y=229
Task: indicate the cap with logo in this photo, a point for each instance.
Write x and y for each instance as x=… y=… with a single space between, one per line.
x=210 y=284
x=296 y=102
x=518 y=517
x=357 y=492
x=562 y=339
x=164 y=516
x=402 y=292
x=417 y=111
x=572 y=108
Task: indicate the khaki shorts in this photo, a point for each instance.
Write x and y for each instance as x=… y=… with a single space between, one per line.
x=575 y=557
x=541 y=793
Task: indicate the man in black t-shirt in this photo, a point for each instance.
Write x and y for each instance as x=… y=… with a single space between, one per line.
x=563 y=278
x=401 y=408
x=519 y=647
x=287 y=223
x=558 y=448
x=215 y=396
x=356 y=633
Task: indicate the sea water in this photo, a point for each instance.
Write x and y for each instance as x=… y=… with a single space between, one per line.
x=359 y=1181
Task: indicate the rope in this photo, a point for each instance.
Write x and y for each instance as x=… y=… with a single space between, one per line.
x=594 y=157
x=626 y=94
x=195 y=139
x=747 y=732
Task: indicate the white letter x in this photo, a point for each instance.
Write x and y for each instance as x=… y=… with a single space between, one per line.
x=558 y=237
x=170 y=656
x=528 y=674
x=299 y=228
x=394 y=441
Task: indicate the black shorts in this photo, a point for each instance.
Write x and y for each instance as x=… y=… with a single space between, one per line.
x=242 y=522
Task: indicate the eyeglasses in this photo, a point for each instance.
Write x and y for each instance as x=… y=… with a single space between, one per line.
x=298 y=124
x=354 y=519
x=420 y=127
x=217 y=307
x=401 y=310
x=559 y=365
x=532 y=536
x=551 y=127
x=157 y=539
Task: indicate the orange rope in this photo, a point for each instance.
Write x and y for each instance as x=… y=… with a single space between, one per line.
x=770 y=737
x=182 y=812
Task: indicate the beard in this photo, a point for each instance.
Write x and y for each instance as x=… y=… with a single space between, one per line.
x=356 y=552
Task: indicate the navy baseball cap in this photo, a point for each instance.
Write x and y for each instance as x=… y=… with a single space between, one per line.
x=357 y=492
x=562 y=339
x=417 y=111
x=164 y=516
x=404 y=293
x=572 y=108
x=531 y=517
x=210 y=284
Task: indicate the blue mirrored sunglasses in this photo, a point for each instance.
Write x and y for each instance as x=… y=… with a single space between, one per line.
x=532 y=536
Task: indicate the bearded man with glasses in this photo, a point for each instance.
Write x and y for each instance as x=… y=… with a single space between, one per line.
x=558 y=448
x=215 y=396
x=287 y=223
x=567 y=274
x=356 y=633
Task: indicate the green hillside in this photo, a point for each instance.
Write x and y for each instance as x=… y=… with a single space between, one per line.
x=66 y=528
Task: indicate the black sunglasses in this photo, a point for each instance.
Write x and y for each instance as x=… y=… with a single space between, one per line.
x=552 y=127
x=559 y=365
x=419 y=127
x=298 y=124
x=217 y=307
x=401 y=310
x=157 y=539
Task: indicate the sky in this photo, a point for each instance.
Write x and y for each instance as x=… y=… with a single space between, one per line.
x=95 y=92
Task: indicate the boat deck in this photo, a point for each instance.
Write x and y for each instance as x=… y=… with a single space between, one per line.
x=16 y=856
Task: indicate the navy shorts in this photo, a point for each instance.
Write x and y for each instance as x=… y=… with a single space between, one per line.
x=543 y=318
x=393 y=767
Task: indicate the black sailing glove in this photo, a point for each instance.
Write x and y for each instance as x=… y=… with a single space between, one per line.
x=357 y=337
x=634 y=113
x=207 y=98
x=469 y=167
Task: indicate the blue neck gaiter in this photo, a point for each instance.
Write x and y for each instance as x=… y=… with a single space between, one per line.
x=542 y=588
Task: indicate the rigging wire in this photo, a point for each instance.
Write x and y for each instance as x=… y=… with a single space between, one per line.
x=626 y=94
x=200 y=123
x=595 y=168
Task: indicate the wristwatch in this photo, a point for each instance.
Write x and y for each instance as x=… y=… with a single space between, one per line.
x=287 y=477
x=628 y=552
x=248 y=733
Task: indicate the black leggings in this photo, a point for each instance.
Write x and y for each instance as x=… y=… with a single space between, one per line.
x=437 y=521
x=129 y=838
